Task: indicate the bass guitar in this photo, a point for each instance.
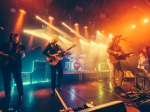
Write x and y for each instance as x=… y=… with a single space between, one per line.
x=6 y=60
x=53 y=59
x=114 y=58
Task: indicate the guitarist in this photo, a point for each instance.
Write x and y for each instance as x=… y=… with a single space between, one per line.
x=12 y=47
x=143 y=62
x=51 y=49
x=115 y=49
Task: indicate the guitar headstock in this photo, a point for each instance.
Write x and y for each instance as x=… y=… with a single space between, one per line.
x=73 y=45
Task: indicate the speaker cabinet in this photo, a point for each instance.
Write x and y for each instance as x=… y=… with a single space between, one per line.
x=142 y=81
x=39 y=71
x=115 y=106
x=26 y=77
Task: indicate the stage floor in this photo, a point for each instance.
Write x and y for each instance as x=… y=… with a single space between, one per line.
x=37 y=97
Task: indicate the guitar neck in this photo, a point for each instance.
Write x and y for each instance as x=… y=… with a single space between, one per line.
x=61 y=54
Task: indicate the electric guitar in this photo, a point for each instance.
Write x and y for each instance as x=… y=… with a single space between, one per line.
x=53 y=59
x=115 y=58
x=6 y=60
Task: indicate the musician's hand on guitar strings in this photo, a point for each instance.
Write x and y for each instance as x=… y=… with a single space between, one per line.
x=59 y=51
x=65 y=52
x=22 y=53
x=119 y=53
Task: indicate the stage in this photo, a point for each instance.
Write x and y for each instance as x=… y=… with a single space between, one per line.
x=37 y=97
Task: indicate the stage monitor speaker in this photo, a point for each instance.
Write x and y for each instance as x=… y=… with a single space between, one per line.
x=114 y=106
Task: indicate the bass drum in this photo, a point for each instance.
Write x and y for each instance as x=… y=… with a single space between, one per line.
x=77 y=65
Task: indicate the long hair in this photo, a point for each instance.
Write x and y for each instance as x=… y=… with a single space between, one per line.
x=11 y=37
x=16 y=35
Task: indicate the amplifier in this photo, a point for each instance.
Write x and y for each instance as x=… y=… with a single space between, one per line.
x=142 y=81
x=26 y=77
x=38 y=74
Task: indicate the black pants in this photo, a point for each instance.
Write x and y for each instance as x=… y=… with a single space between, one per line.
x=6 y=73
x=58 y=68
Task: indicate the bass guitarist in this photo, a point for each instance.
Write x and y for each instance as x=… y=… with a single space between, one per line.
x=53 y=49
x=13 y=47
x=114 y=49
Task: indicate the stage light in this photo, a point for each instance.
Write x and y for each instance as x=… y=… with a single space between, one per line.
x=145 y=20
x=85 y=27
x=76 y=24
x=50 y=18
x=133 y=26
x=110 y=35
x=86 y=32
x=22 y=11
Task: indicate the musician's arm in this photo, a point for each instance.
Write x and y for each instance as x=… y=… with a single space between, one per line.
x=22 y=51
x=45 y=52
x=109 y=50
x=61 y=50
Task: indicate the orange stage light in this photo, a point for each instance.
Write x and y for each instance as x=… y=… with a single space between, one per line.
x=22 y=11
x=133 y=26
x=19 y=21
x=145 y=20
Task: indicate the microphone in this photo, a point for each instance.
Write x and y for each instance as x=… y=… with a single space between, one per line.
x=2 y=28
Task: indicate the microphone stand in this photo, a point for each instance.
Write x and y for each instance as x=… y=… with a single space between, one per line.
x=147 y=49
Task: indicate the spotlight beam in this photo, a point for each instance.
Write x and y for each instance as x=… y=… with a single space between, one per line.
x=73 y=31
x=56 y=29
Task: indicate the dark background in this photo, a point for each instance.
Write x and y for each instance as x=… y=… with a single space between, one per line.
x=110 y=16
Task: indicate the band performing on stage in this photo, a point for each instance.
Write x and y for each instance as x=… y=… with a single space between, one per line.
x=74 y=56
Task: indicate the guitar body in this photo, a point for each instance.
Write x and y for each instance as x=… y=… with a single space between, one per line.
x=121 y=57
x=53 y=60
x=6 y=60
x=113 y=59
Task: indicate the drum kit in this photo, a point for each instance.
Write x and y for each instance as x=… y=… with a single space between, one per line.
x=75 y=63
